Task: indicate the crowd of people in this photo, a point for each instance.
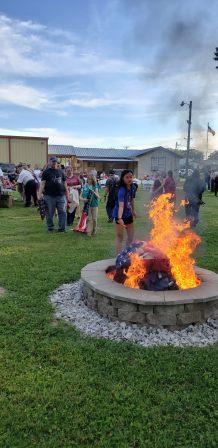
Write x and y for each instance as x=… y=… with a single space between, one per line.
x=57 y=190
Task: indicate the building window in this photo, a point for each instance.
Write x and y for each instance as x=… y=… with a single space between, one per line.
x=91 y=164
x=158 y=163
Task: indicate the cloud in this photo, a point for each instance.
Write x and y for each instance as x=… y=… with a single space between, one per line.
x=86 y=101
x=22 y=95
x=32 y=49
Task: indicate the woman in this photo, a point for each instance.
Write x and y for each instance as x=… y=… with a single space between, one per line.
x=157 y=188
x=74 y=186
x=92 y=186
x=124 y=210
x=170 y=184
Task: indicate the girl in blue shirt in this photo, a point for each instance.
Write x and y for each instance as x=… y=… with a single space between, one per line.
x=124 y=210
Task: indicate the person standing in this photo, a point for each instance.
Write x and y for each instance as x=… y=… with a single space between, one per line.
x=169 y=184
x=26 y=178
x=91 y=186
x=157 y=188
x=124 y=209
x=111 y=190
x=216 y=183
x=54 y=188
x=74 y=187
x=194 y=187
x=1 y=179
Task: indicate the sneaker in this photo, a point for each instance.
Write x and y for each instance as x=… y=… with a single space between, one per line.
x=61 y=230
x=50 y=230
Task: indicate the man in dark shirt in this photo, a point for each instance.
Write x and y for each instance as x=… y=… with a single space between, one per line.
x=53 y=187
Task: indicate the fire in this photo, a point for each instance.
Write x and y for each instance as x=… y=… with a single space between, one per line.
x=110 y=275
x=168 y=255
x=176 y=240
x=135 y=272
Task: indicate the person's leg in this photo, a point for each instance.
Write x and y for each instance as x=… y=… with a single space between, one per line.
x=130 y=233
x=119 y=237
x=70 y=217
x=34 y=193
x=50 y=209
x=194 y=215
x=90 y=222
x=62 y=215
x=94 y=219
x=215 y=189
x=109 y=210
x=27 y=189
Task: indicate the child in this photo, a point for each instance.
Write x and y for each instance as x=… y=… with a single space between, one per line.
x=94 y=201
x=124 y=210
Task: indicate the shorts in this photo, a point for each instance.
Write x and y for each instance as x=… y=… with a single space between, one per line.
x=126 y=221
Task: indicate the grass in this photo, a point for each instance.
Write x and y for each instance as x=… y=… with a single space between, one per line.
x=61 y=389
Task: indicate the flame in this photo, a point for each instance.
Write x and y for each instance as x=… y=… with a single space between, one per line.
x=135 y=272
x=110 y=275
x=173 y=239
x=176 y=240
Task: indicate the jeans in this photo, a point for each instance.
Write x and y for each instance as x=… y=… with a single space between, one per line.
x=59 y=203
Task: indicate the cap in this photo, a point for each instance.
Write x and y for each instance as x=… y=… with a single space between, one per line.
x=53 y=159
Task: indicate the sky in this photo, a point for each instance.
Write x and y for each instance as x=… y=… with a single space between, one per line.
x=109 y=73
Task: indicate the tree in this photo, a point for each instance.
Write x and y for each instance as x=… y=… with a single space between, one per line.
x=213 y=155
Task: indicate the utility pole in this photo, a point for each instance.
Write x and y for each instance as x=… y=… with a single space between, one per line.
x=189 y=121
x=188 y=138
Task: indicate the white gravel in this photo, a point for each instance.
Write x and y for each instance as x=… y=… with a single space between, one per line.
x=69 y=302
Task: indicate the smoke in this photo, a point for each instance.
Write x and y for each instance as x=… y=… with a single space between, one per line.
x=176 y=41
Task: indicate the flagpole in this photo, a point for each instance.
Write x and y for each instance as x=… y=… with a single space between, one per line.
x=207 y=141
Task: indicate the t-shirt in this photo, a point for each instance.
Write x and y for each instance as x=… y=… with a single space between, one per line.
x=112 y=185
x=126 y=196
x=1 y=173
x=73 y=181
x=24 y=177
x=54 y=182
x=94 y=200
x=37 y=174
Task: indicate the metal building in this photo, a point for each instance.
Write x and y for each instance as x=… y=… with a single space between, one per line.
x=16 y=149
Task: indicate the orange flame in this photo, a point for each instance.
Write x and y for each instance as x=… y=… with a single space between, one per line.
x=110 y=275
x=175 y=240
x=135 y=272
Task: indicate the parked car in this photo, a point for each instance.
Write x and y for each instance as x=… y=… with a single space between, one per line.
x=7 y=167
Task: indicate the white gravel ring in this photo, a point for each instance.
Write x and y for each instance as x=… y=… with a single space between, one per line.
x=70 y=306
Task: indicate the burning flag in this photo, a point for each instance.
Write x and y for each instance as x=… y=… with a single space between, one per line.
x=166 y=260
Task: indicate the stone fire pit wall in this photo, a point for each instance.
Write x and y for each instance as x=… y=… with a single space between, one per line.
x=172 y=310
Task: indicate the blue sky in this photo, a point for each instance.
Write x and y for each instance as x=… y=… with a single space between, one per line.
x=109 y=73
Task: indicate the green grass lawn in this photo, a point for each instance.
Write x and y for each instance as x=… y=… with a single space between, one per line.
x=61 y=389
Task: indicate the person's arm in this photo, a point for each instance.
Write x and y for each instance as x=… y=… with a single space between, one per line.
x=96 y=193
x=41 y=189
x=120 y=214
x=66 y=191
x=133 y=207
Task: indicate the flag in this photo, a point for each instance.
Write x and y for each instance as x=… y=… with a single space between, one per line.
x=209 y=129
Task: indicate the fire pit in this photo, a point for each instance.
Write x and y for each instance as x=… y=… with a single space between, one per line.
x=155 y=282
x=173 y=310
